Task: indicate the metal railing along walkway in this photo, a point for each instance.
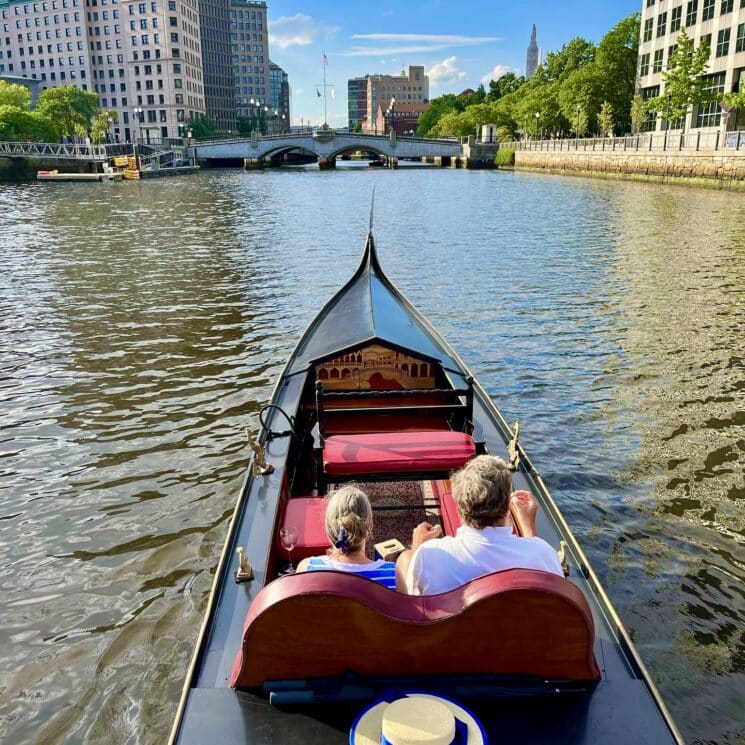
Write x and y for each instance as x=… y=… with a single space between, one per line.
x=61 y=151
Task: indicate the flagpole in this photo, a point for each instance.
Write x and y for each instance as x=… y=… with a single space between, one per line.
x=325 y=117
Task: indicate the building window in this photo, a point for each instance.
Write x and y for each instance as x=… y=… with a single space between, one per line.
x=652 y=92
x=675 y=18
x=648 y=29
x=706 y=41
x=657 y=65
x=727 y=6
x=709 y=115
x=723 y=42
x=643 y=65
x=691 y=12
x=661 y=24
x=708 y=11
x=740 y=44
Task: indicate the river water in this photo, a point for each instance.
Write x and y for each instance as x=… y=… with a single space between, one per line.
x=142 y=325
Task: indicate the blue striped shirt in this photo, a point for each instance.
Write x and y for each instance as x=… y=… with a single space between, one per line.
x=383 y=572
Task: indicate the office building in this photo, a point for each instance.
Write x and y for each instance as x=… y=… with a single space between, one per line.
x=531 y=61
x=249 y=41
x=401 y=117
x=721 y=23
x=279 y=101
x=217 y=66
x=405 y=88
x=143 y=59
x=356 y=102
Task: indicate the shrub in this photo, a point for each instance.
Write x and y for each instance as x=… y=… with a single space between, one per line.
x=505 y=157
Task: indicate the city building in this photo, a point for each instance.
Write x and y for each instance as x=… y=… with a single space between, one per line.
x=143 y=59
x=249 y=41
x=217 y=66
x=279 y=105
x=722 y=24
x=531 y=61
x=356 y=102
x=401 y=117
x=405 y=88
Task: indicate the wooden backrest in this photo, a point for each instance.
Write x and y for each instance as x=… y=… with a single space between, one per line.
x=322 y=624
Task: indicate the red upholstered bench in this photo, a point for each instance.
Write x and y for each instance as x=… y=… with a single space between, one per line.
x=308 y=515
x=519 y=622
x=396 y=453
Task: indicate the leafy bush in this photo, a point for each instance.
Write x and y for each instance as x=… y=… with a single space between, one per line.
x=505 y=157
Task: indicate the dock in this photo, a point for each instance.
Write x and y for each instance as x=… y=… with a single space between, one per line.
x=92 y=177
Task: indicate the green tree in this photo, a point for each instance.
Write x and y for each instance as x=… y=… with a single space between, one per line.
x=507 y=83
x=17 y=125
x=579 y=122
x=574 y=55
x=458 y=123
x=541 y=100
x=202 y=127
x=638 y=113
x=101 y=127
x=69 y=107
x=438 y=107
x=615 y=65
x=605 y=119
x=581 y=88
x=685 y=85
x=15 y=95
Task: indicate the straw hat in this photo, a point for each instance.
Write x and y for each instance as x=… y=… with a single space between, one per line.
x=417 y=719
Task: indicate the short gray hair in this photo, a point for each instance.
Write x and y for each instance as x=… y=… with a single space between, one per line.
x=481 y=490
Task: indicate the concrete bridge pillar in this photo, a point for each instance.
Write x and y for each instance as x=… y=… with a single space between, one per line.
x=253 y=164
x=325 y=164
x=393 y=163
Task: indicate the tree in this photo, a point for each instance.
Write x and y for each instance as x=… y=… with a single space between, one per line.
x=438 y=107
x=457 y=123
x=203 y=127
x=685 y=85
x=15 y=95
x=579 y=121
x=638 y=114
x=505 y=84
x=100 y=129
x=17 y=125
x=605 y=119
x=574 y=55
x=581 y=88
x=69 y=107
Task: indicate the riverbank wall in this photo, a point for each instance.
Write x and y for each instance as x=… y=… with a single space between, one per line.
x=718 y=169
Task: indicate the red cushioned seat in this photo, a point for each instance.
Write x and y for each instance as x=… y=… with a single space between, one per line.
x=449 y=513
x=308 y=515
x=396 y=452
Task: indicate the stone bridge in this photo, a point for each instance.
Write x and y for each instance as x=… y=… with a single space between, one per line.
x=325 y=145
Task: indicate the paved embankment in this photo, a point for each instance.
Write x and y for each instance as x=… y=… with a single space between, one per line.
x=718 y=169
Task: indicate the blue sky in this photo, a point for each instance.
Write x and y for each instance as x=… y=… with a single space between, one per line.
x=460 y=42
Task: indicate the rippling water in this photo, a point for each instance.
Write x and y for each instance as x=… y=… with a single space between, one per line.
x=142 y=326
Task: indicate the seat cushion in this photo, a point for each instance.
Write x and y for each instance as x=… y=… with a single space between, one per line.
x=308 y=515
x=396 y=452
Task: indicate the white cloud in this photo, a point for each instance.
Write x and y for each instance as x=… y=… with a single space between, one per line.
x=413 y=44
x=497 y=73
x=298 y=30
x=446 y=72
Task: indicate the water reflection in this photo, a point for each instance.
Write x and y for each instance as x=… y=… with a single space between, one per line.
x=143 y=325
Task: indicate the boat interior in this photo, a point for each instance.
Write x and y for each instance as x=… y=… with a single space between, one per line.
x=397 y=425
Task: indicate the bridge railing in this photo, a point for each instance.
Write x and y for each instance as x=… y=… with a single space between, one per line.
x=225 y=138
x=60 y=151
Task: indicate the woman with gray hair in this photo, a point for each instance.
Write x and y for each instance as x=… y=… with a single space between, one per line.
x=485 y=543
x=349 y=526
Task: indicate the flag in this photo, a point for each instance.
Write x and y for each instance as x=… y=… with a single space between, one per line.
x=318 y=93
x=333 y=94
x=325 y=59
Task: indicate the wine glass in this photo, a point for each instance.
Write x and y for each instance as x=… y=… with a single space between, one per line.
x=288 y=539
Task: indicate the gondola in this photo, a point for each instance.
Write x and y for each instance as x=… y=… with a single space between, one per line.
x=373 y=395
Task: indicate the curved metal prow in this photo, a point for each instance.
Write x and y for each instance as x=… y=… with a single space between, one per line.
x=372 y=210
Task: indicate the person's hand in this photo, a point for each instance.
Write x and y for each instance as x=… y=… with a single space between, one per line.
x=424 y=532
x=525 y=509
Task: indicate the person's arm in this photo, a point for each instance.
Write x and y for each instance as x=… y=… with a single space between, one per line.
x=421 y=534
x=524 y=510
x=303 y=565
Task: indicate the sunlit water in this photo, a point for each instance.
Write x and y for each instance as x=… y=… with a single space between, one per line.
x=142 y=326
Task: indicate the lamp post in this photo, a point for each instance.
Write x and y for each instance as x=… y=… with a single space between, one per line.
x=537 y=119
x=392 y=113
x=137 y=112
x=576 y=121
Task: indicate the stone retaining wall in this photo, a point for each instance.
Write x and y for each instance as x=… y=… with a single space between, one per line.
x=723 y=167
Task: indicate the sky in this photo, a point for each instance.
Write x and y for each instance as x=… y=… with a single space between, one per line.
x=460 y=43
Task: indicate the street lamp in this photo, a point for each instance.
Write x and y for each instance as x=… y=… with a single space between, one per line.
x=537 y=118
x=137 y=111
x=392 y=112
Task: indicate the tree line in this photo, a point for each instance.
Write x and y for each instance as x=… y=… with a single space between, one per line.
x=581 y=89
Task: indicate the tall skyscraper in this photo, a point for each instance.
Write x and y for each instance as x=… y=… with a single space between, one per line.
x=532 y=59
x=214 y=24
